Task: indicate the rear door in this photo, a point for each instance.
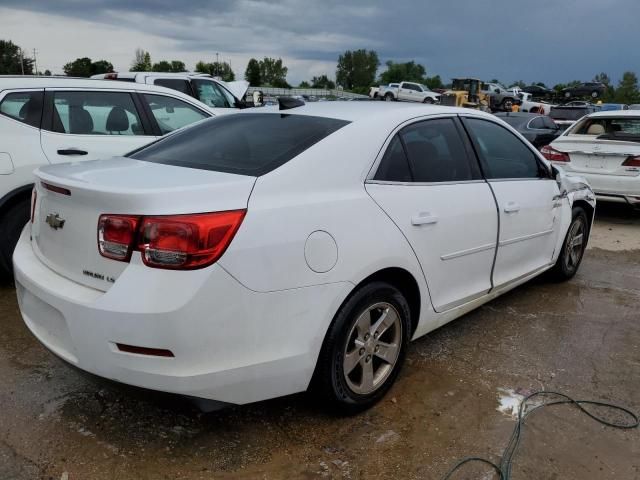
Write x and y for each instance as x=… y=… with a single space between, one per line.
x=429 y=184
x=527 y=198
x=81 y=124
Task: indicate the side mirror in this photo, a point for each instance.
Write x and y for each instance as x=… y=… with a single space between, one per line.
x=497 y=90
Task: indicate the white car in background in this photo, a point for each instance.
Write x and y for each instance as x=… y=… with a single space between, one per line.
x=265 y=253
x=49 y=120
x=604 y=148
x=209 y=90
x=409 y=92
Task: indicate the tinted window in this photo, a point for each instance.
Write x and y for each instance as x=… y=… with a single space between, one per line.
x=502 y=153
x=436 y=152
x=175 y=84
x=210 y=93
x=246 y=144
x=394 y=166
x=95 y=113
x=548 y=123
x=171 y=113
x=536 y=123
x=25 y=107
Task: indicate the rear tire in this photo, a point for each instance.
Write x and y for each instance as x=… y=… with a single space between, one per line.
x=567 y=94
x=573 y=247
x=11 y=225
x=364 y=349
x=595 y=94
x=388 y=97
x=507 y=104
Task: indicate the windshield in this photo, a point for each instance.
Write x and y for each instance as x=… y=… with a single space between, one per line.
x=245 y=144
x=425 y=88
x=609 y=126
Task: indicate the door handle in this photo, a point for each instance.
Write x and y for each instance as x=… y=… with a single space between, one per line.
x=423 y=218
x=71 y=151
x=511 y=207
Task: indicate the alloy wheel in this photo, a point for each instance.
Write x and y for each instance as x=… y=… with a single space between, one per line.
x=574 y=247
x=372 y=348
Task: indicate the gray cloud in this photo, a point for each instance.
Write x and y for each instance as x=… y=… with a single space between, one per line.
x=542 y=40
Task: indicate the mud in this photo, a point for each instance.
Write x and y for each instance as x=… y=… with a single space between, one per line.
x=580 y=337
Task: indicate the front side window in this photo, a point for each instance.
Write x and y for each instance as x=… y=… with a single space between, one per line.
x=95 y=113
x=171 y=113
x=26 y=107
x=502 y=154
x=213 y=95
x=245 y=144
x=437 y=153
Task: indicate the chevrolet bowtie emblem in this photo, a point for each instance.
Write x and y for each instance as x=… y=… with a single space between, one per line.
x=55 y=221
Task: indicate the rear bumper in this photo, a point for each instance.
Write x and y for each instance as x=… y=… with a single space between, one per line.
x=229 y=343
x=617 y=188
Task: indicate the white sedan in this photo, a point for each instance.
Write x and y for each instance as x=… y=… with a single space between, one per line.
x=604 y=148
x=270 y=252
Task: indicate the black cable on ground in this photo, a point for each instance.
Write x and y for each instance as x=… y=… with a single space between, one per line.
x=504 y=468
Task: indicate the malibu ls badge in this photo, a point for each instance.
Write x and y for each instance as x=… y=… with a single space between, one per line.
x=55 y=221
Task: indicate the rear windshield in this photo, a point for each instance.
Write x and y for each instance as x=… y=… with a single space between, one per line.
x=611 y=126
x=246 y=143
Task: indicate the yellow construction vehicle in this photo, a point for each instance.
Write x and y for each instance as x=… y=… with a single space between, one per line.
x=466 y=92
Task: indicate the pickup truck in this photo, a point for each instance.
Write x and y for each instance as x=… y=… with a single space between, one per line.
x=501 y=97
x=409 y=92
x=531 y=106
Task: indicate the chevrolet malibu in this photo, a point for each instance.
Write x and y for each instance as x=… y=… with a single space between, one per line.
x=266 y=253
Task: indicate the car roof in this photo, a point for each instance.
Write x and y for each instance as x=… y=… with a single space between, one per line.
x=15 y=82
x=615 y=113
x=355 y=111
x=518 y=114
x=157 y=74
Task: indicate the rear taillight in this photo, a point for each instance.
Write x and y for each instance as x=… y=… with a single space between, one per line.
x=187 y=241
x=632 y=161
x=179 y=242
x=34 y=199
x=117 y=235
x=554 y=155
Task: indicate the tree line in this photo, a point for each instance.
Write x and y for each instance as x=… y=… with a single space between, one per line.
x=356 y=71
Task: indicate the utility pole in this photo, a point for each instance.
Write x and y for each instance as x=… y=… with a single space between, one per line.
x=217 y=65
x=35 y=64
x=21 y=60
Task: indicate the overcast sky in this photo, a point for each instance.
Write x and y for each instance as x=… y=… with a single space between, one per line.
x=551 y=41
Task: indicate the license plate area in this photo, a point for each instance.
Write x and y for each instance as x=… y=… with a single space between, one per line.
x=597 y=162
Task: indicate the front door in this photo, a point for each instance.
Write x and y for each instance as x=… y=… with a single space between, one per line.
x=429 y=184
x=526 y=195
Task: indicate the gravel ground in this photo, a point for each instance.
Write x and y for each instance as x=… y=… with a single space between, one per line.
x=580 y=337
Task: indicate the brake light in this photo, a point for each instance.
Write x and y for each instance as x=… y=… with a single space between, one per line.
x=187 y=241
x=554 y=155
x=632 y=161
x=34 y=198
x=178 y=242
x=116 y=236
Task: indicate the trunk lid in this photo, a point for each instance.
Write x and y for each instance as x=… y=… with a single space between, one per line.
x=598 y=156
x=64 y=232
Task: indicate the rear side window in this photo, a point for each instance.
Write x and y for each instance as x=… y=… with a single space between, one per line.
x=246 y=144
x=95 y=113
x=436 y=152
x=175 y=84
x=171 y=113
x=394 y=166
x=537 y=123
x=503 y=155
x=26 y=107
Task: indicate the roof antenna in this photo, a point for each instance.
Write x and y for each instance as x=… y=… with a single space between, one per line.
x=289 y=102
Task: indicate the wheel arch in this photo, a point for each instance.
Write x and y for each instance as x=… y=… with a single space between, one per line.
x=15 y=196
x=588 y=208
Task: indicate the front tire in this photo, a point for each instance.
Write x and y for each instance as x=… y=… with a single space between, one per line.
x=507 y=105
x=567 y=94
x=428 y=100
x=388 y=97
x=595 y=94
x=11 y=225
x=364 y=348
x=573 y=247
